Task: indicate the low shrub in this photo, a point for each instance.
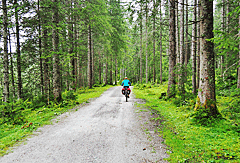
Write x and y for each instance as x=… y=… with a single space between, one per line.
x=14 y=112
x=69 y=95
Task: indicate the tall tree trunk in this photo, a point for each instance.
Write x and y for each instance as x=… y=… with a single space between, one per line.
x=154 y=21
x=76 y=61
x=55 y=41
x=89 y=57
x=82 y=71
x=46 y=65
x=160 y=42
x=103 y=68
x=238 y=82
x=99 y=68
x=177 y=33
x=5 y=54
x=206 y=93
x=111 y=67
x=223 y=29
x=79 y=61
x=11 y=67
x=228 y=16
x=227 y=27
x=198 y=46
x=182 y=52
x=78 y=80
x=106 y=75
x=141 y=40
x=116 y=69
x=194 y=35
x=40 y=49
x=187 y=53
x=18 y=52
x=146 y=43
x=92 y=53
x=172 y=50
x=70 y=46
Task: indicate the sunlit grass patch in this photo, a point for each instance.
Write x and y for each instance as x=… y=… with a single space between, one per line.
x=188 y=142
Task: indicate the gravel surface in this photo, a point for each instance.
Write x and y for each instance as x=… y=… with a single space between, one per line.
x=108 y=129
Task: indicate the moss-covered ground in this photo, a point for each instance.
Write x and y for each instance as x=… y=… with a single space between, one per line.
x=219 y=141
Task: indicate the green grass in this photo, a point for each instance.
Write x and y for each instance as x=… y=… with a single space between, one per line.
x=11 y=134
x=187 y=141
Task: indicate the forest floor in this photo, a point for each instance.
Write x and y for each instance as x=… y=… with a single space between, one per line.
x=107 y=129
x=217 y=140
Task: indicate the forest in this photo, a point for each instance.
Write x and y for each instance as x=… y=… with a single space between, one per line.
x=51 y=49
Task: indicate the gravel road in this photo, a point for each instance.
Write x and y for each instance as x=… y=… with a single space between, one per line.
x=107 y=129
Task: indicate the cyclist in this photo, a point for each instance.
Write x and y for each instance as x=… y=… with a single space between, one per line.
x=126 y=83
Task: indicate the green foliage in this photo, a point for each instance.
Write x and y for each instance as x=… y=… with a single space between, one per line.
x=201 y=116
x=69 y=95
x=143 y=86
x=14 y=113
x=216 y=141
x=231 y=110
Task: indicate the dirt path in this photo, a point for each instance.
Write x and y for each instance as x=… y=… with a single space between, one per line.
x=108 y=129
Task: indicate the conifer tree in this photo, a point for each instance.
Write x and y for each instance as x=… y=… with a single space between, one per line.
x=172 y=50
x=194 y=41
x=55 y=42
x=206 y=92
x=5 y=56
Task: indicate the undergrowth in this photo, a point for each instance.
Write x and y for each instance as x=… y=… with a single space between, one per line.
x=18 y=120
x=215 y=141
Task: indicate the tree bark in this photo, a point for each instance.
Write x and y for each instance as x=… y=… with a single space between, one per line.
x=172 y=50
x=227 y=27
x=198 y=46
x=5 y=53
x=194 y=34
x=116 y=70
x=93 y=79
x=18 y=52
x=187 y=50
x=177 y=33
x=40 y=49
x=106 y=75
x=11 y=64
x=154 y=21
x=181 y=52
x=46 y=65
x=223 y=28
x=206 y=93
x=104 y=68
x=76 y=61
x=160 y=42
x=111 y=67
x=141 y=40
x=89 y=57
x=238 y=82
x=146 y=43
x=70 y=46
x=55 y=41
x=81 y=71
x=100 y=68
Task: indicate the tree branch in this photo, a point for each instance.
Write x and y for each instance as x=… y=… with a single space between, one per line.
x=228 y=69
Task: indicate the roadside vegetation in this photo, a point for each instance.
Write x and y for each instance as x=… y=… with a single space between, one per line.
x=23 y=117
x=189 y=140
x=47 y=47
